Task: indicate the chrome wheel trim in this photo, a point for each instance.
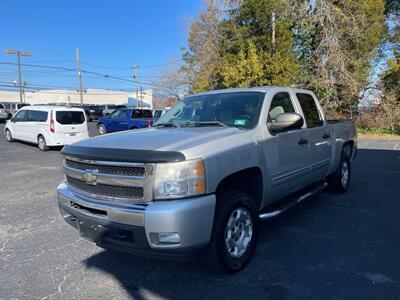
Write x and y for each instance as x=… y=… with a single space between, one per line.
x=41 y=143
x=101 y=129
x=345 y=174
x=238 y=232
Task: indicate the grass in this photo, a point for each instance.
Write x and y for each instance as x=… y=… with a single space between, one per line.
x=378 y=132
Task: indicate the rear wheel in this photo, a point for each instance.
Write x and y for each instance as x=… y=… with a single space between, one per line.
x=339 y=181
x=42 y=143
x=235 y=232
x=101 y=129
x=9 y=137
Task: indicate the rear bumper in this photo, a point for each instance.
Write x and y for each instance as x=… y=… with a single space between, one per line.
x=62 y=139
x=135 y=228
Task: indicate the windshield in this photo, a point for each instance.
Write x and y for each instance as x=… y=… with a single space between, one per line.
x=238 y=109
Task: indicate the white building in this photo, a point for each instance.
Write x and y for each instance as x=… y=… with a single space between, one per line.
x=90 y=96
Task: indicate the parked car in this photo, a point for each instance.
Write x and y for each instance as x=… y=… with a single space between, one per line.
x=47 y=126
x=202 y=178
x=93 y=112
x=3 y=113
x=109 y=108
x=13 y=107
x=125 y=119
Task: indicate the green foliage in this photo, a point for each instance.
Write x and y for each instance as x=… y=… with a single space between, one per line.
x=391 y=77
x=324 y=45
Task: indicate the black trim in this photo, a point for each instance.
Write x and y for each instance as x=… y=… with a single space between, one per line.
x=135 y=241
x=123 y=155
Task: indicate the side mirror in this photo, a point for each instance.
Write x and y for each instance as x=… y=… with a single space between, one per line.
x=285 y=122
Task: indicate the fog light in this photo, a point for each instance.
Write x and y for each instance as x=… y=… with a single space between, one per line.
x=165 y=238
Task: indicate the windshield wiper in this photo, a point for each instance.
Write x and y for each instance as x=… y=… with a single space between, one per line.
x=205 y=123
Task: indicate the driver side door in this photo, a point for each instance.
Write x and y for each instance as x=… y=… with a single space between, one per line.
x=290 y=148
x=19 y=128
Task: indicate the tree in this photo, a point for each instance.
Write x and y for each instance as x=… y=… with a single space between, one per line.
x=171 y=83
x=202 y=55
x=340 y=39
x=249 y=55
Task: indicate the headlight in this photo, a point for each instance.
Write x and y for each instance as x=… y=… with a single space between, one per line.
x=180 y=179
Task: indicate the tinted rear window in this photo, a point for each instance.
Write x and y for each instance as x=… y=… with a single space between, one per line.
x=142 y=114
x=70 y=117
x=310 y=110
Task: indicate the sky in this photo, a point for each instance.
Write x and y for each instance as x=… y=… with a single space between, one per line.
x=112 y=36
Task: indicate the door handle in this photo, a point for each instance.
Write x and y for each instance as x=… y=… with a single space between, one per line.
x=326 y=136
x=302 y=141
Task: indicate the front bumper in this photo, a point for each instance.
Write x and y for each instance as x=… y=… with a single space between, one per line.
x=132 y=228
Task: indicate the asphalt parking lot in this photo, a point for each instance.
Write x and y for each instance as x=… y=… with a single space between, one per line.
x=329 y=247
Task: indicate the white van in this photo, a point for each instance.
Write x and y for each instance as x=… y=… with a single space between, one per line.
x=47 y=126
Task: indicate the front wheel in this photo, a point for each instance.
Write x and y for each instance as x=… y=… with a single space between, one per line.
x=101 y=129
x=9 y=137
x=235 y=232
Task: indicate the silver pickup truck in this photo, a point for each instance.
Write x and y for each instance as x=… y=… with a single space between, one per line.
x=200 y=181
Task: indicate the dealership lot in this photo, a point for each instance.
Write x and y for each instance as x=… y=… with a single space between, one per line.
x=331 y=246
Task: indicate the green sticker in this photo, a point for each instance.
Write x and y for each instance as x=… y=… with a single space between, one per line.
x=240 y=122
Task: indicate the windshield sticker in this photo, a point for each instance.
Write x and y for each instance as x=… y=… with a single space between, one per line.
x=240 y=122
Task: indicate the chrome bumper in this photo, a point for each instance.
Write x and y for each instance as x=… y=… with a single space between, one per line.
x=191 y=218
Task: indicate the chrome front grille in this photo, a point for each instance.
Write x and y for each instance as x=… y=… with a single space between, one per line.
x=106 y=190
x=114 y=181
x=108 y=169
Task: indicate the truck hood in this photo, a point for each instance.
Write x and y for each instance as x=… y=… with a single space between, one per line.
x=160 y=140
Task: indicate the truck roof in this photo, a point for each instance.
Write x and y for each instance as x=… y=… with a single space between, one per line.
x=251 y=89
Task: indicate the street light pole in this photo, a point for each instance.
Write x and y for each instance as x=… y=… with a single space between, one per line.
x=19 y=54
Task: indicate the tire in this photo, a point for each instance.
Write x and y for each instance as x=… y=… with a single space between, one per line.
x=339 y=181
x=221 y=254
x=42 y=143
x=9 y=137
x=101 y=129
x=133 y=128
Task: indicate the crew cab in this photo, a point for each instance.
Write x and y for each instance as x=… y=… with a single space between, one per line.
x=201 y=179
x=125 y=119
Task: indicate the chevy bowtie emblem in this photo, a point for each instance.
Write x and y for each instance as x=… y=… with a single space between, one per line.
x=89 y=177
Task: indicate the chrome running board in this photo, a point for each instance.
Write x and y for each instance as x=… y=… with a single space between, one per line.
x=292 y=201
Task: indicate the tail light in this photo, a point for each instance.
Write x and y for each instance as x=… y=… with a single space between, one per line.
x=149 y=123
x=52 y=128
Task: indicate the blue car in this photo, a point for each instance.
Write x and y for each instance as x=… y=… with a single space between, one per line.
x=125 y=119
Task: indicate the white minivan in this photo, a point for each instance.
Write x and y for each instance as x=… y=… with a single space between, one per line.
x=47 y=126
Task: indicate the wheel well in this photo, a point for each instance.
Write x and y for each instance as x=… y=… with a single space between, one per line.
x=248 y=180
x=40 y=135
x=348 y=148
x=133 y=127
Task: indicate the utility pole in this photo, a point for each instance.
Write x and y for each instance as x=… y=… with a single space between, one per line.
x=273 y=32
x=135 y=80
x=78 y=63
x=19 y=54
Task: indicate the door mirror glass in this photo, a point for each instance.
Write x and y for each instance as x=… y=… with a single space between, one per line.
x=286 y=121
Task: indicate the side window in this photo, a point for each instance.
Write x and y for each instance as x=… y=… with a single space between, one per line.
x=136 y=114
x=1 y=106
x=20 y=116
x=31 y=115
x=281 y=103
x=310 y=110
x=123 y=115
x=116 y=114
